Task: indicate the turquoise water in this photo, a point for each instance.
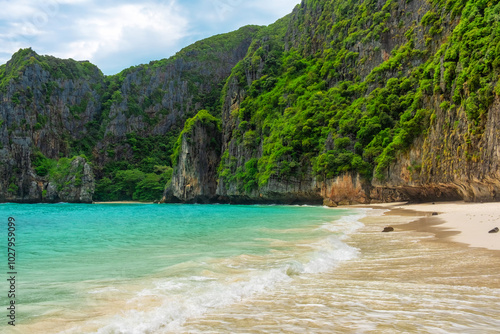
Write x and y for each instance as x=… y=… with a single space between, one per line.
x=144 y=268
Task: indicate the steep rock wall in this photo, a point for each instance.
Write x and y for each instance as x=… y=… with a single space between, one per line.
x=456 y=155
x=195 y=176
x=155 y=99
x=450 y=163
x=43 y=111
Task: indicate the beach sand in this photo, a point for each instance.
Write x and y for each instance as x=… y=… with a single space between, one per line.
x=421 y=278
x=467 y=223
x=123 y=202
x=433 y=274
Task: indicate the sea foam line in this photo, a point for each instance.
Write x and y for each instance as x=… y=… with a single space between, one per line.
x=196 y=300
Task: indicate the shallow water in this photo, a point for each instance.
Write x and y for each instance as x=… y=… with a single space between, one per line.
x=149 y=268
x=242 y=269
x=402 y=282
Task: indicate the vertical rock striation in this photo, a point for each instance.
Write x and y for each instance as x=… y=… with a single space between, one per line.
x=195 y=176
x=45 y=104
x=337 y=103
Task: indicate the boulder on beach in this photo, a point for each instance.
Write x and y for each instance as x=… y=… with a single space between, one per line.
x=388 y=229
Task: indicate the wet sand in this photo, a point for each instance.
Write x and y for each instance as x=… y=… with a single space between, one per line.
x=123 y=202
x=421 y=278
x=418 y=279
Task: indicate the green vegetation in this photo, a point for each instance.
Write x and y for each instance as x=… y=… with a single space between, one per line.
x=13 y=187
x=134 y=184
x=311 y=110
x=124 y=185
x=318 y=96
x=202 y=117
x=135 y=178
x=63 y=173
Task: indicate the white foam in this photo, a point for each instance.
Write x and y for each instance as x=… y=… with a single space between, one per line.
x=177 y=309
x=200 y=278
x=330 y=252
x=188 y=297
x=347 y=225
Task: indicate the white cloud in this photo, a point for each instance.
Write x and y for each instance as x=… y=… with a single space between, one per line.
x=277 y=8
x=22 y=22
x=124 y=30
x=15 y=10
x=116 y=34
x=219 y=11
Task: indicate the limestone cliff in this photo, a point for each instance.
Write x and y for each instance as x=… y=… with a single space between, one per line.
x=339 y=102
x=43 y=109
x=450 y=163
x=52 y=108
x=366 y=101
x=198 y=157
x=155 y=99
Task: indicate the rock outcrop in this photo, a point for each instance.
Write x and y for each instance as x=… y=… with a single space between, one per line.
x=43 y=110
x=452 y=151
x=195 y=177
x=75 y=186
x=337 y=103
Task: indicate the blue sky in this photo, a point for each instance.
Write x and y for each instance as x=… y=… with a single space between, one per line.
x=115 y=35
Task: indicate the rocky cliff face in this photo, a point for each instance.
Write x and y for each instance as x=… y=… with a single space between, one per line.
x=337 y=103
x=439 y=140
x=445 y=165
x=57 y=108
x=42 y=110
x=156 y=99
x=195 y=177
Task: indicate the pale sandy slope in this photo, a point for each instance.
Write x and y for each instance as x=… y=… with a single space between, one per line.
x=472 y=220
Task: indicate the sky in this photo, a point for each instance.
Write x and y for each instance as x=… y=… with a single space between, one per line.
x=115 y=35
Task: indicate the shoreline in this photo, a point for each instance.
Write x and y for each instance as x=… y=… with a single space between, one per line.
x=123 y=202
x=458 y=222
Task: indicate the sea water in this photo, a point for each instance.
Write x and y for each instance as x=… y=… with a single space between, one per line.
x=239 y=269
x=147 y=268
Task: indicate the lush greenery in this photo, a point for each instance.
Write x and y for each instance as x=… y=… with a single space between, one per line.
x=203 y=117
x=134 y=184
x=312 y=111
x=62 y=173
x=143 y=175
x=318 y=97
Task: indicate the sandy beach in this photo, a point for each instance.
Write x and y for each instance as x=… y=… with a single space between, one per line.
x=467 y=223
x=123 y=202
x=421 y=278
